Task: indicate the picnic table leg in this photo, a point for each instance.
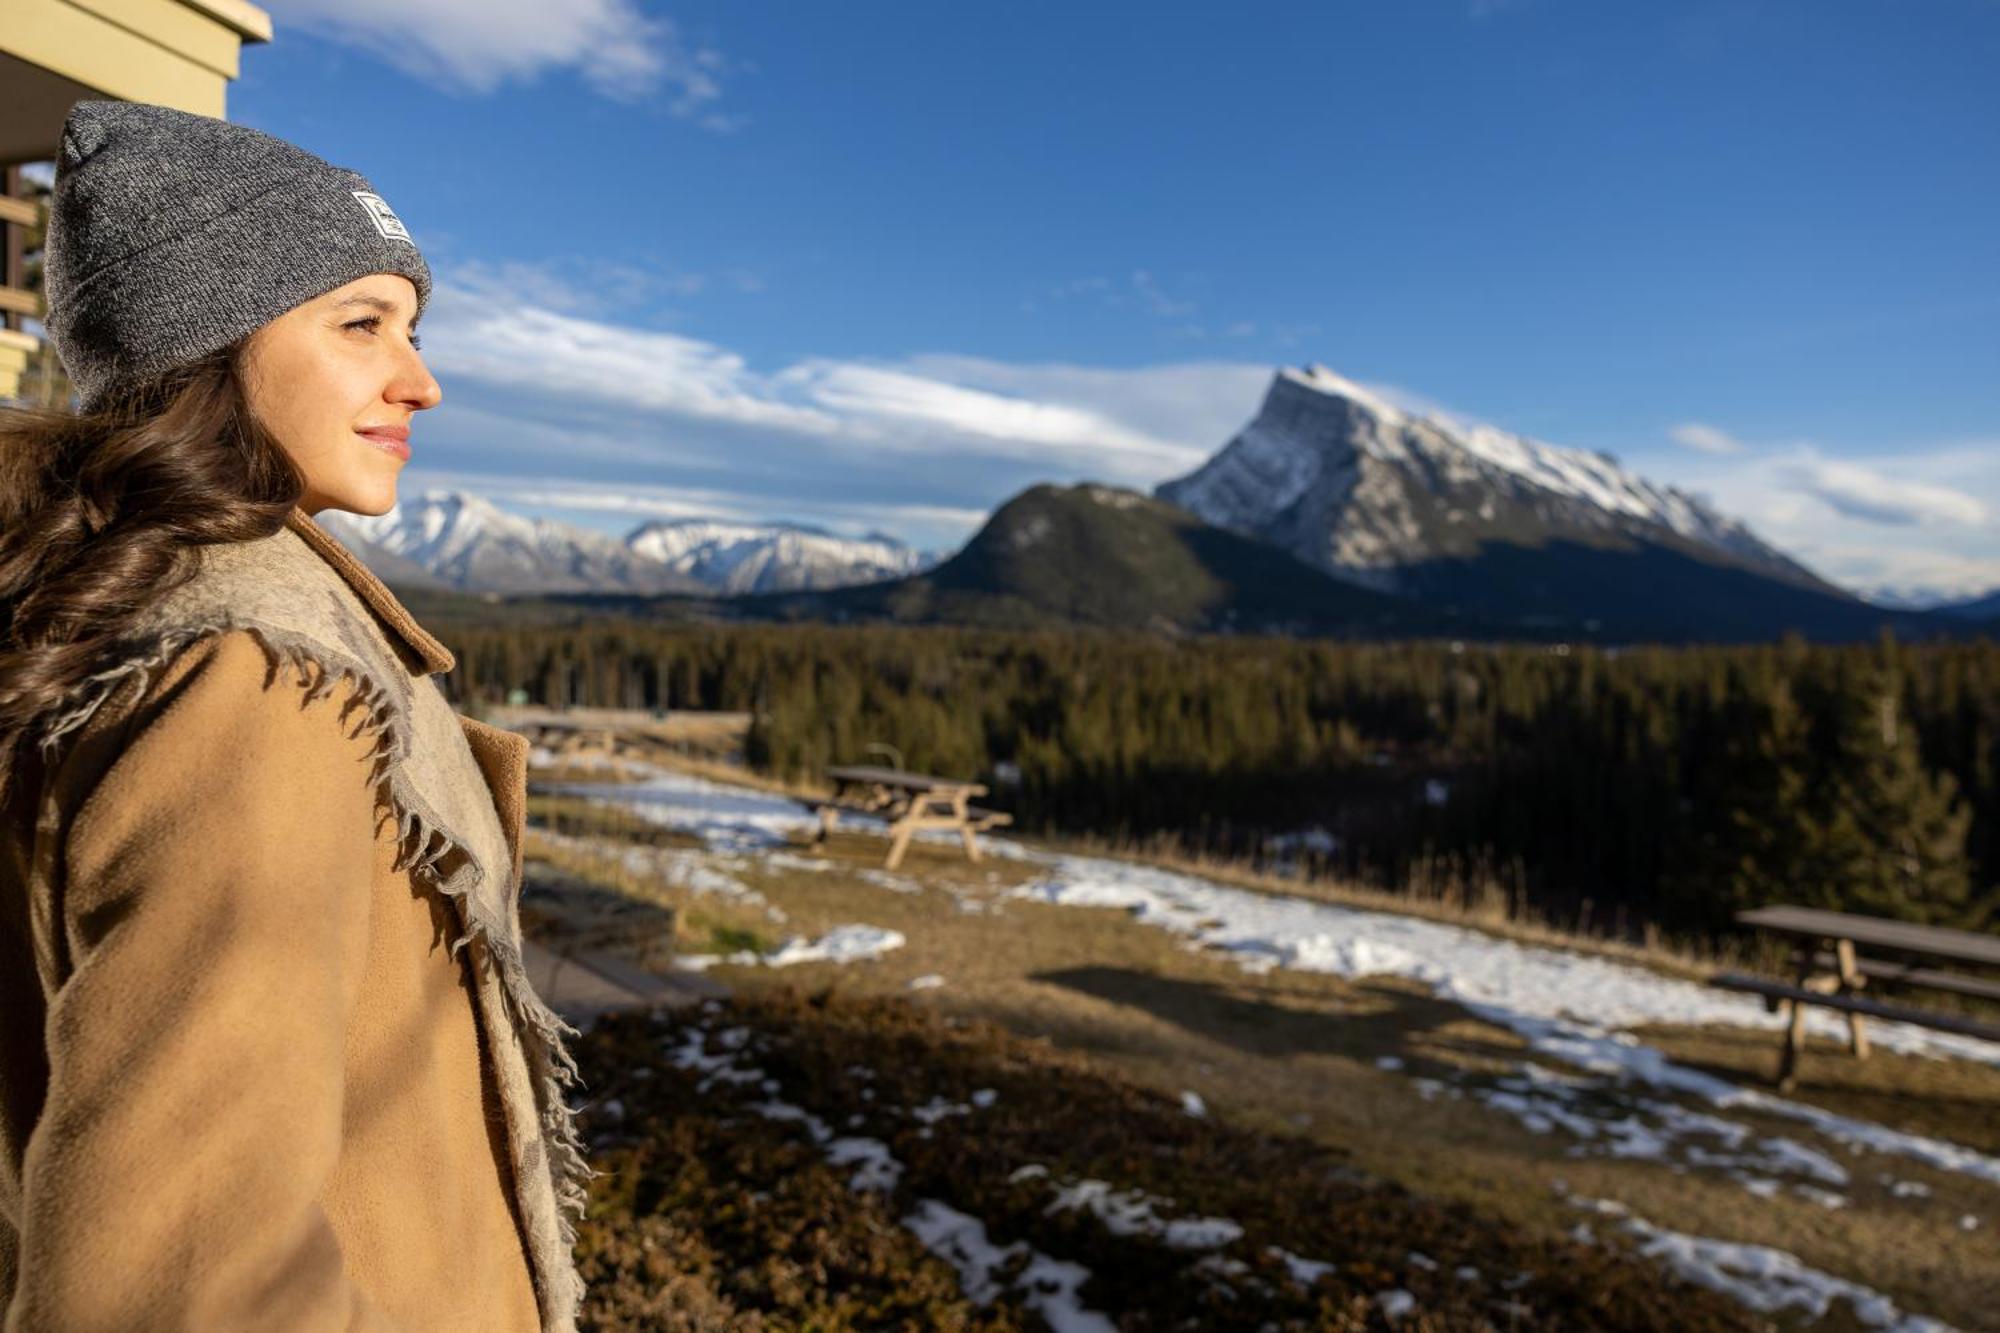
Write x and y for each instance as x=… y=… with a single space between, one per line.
x=1851 y=979
x=958 y=804
x=1795 y=1024
x=899 y=840
x=1795 y=1040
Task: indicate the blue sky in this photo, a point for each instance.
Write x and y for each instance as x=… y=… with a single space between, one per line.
x=881 y=265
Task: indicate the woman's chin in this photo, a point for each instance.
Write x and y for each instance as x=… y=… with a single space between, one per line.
x=368 y=501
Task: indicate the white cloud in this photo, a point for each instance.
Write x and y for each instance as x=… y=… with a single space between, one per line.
x=485 y=334
x=477 y=45
x=483 y=328
x=1027 y=426
x=1919 y=518
x=1704 y=439
x=1861 y=492
x=1193 y=407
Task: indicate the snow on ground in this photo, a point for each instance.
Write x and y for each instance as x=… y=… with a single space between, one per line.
x=1136 y=1213
x=1047 y=1286
x=1766 y=1280
x=1571 y=1007
x=843 y=944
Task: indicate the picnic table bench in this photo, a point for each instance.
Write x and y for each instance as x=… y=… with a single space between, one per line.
x=1828 y=972
x=910 y=802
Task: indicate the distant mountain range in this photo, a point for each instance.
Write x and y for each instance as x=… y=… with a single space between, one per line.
x=1331 y=512
x=462 y=542
x=1980 y=608
x=772 y=557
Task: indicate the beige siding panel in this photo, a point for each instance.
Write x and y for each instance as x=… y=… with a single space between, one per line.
x=114 y=60
x=167 y=23
x=253 y=23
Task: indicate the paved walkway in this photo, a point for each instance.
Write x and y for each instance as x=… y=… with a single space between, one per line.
x=588 y=985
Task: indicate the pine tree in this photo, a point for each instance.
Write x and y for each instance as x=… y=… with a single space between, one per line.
x=1889 y=838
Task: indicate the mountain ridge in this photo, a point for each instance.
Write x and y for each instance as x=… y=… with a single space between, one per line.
x=457 y=541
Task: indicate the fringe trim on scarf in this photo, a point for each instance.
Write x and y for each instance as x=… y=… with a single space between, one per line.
x=423 y=847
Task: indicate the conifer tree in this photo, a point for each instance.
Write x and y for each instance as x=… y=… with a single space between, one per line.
x=1888 y=837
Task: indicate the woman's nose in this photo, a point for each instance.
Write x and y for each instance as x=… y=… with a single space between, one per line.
x=416 y=386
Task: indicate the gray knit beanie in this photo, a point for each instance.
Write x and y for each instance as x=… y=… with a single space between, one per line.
x=173 y=235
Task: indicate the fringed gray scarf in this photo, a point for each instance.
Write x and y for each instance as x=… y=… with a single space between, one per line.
x=313 y=622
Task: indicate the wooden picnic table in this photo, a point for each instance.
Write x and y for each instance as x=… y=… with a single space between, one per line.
x=1828 y=971
x=910 y=802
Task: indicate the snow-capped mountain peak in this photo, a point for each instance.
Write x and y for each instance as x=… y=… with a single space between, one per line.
x=740 y=557
x=1401 y=501
x=467 y=542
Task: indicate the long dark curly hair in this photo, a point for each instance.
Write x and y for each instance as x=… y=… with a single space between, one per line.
x=102 y=512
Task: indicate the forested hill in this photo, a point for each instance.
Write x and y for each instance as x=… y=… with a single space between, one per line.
x=1664 y=786
x=1101 y=557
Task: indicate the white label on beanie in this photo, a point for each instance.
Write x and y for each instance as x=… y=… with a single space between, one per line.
x=383 y=216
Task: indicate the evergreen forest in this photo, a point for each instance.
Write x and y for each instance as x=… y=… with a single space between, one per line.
x=1662 y=787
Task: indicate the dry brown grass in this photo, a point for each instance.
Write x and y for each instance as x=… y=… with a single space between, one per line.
x=1296 y=1052
x=1483 y=905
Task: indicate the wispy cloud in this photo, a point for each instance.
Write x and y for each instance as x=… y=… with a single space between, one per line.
x=486 y=329
x=504 y=338
x=1921 y=518
x=1862 y=492
x=475 y=46
x=1154 y=299
x=1704 y=439
x=880 y=395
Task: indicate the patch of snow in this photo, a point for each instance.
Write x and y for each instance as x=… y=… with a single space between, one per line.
x=883 y=879
x=1135 y=1213
x=1192 y=1103
x=1395 y=1304
x=928 y=981
x=1764 y=1279
x=1047 y=1286
x=1305 y=1272
x=842 y=944
x=879 y=1169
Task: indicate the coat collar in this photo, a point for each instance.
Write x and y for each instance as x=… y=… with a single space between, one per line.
x=436 y=658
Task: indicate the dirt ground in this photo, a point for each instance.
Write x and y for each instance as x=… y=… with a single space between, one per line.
x=1394 y=1077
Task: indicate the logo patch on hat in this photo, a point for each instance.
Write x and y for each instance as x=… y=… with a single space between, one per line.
x=384 y=217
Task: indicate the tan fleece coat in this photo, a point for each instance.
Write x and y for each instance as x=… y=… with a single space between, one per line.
x=268 y=1059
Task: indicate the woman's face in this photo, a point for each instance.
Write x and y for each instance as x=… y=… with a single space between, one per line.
x=336 y=381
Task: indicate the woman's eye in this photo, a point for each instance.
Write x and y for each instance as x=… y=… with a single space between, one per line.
x=371 y=323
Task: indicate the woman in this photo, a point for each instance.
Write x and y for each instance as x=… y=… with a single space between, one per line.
x=268 y=1057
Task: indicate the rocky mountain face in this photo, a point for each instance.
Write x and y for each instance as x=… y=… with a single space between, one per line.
x=1117 y=559
x=462 y=542
x=1545 y=539
x=772 y=557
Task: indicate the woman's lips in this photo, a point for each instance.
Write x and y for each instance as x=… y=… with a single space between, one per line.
x=389 y=439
